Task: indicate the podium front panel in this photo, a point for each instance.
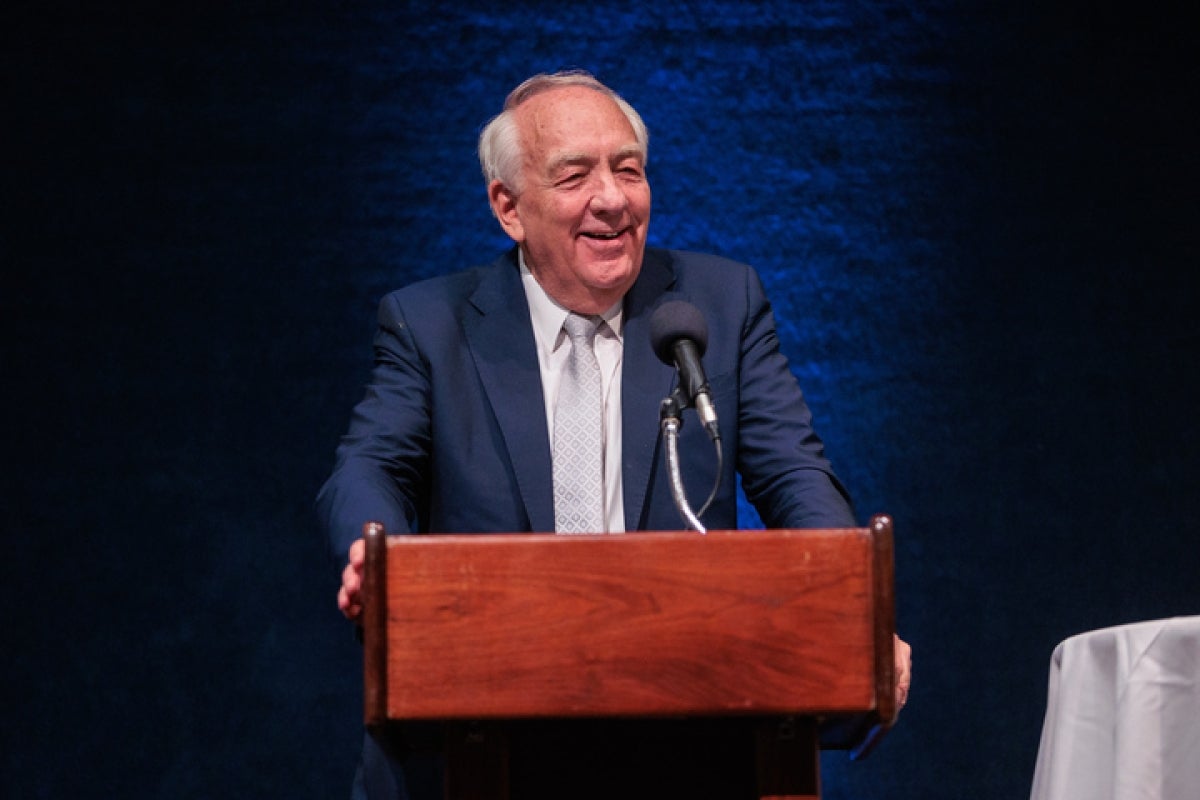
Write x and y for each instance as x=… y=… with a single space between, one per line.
x=624 y=625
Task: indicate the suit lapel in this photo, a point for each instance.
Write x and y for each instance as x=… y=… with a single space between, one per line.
x=502 y=344
x=501 y=340
x=645 y=381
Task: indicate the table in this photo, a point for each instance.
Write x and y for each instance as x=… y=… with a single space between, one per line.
x=1123 y=715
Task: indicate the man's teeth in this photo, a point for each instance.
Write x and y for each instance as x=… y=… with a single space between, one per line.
x=602 y=235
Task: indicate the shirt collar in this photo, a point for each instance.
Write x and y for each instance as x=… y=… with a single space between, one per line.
x=547 y=315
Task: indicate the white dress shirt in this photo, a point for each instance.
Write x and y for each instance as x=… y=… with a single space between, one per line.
x=553 y=346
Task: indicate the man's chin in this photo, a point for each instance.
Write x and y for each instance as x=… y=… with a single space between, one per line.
x=614 y=273
x=616 y=258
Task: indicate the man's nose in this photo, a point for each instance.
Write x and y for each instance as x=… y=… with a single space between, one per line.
x=608 y=196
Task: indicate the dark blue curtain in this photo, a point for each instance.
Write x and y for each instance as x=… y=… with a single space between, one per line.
x=978 y=222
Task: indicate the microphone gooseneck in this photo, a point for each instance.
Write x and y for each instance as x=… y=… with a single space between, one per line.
x=679 y=337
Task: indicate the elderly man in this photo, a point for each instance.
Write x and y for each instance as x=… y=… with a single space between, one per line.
x=478 y=372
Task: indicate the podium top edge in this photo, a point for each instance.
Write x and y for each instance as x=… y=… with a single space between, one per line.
x=514 y=538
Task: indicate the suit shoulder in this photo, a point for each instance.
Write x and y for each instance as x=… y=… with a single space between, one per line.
x=689 y=261
x=704 y=272
x=454 y=288
x=440 y=287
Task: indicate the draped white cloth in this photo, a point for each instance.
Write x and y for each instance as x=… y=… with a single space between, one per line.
x=1123 y=715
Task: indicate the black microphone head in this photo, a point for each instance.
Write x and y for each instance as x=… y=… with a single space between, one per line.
x=675 y=320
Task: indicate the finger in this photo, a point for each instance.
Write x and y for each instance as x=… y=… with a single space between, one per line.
x=351 y=579
x=358 y=553
x=903 y=653
x=350 y=608
x=350 y=592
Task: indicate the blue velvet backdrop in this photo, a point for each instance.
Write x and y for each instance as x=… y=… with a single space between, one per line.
x=978 y=224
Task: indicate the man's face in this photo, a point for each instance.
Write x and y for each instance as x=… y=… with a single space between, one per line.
x=584 y=206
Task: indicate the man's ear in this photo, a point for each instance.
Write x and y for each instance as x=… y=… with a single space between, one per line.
x=504 y=205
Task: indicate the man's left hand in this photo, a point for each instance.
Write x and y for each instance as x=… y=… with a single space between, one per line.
x=903 y=672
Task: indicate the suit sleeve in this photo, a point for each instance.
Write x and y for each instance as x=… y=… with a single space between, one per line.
x=381 y=462
x=785 y=473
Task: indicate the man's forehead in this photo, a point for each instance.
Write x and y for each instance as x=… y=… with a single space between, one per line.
x=563 y=158
x=571 y=126
x=571 y=109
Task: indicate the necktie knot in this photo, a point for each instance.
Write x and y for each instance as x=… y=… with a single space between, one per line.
x=581 y=329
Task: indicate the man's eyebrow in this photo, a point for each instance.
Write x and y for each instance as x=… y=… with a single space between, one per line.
x=630 y=151
x=569 y=159
x=582 y=159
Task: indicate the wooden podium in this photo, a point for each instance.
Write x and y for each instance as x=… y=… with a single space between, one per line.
x=779 y=638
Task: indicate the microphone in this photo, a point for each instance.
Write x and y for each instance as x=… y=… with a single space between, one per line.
x=679 y=336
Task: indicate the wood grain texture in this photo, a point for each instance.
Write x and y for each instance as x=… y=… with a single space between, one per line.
x=646 y=624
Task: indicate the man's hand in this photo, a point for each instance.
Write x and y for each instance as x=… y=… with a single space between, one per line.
x=903 y=672
x=350 y=595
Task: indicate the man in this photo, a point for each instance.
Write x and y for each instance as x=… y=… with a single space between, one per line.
x=457 y=431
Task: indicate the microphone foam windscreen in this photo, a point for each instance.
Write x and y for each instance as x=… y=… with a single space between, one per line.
x=675 y=320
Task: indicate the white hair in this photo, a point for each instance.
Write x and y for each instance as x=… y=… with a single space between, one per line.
x=500 y=144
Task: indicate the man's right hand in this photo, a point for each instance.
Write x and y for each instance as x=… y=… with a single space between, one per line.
x=350 y=600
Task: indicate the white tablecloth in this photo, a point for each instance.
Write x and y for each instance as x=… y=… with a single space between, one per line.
x=1123 y=715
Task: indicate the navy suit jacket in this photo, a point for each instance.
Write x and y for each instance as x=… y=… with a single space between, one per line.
x=451 y=436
